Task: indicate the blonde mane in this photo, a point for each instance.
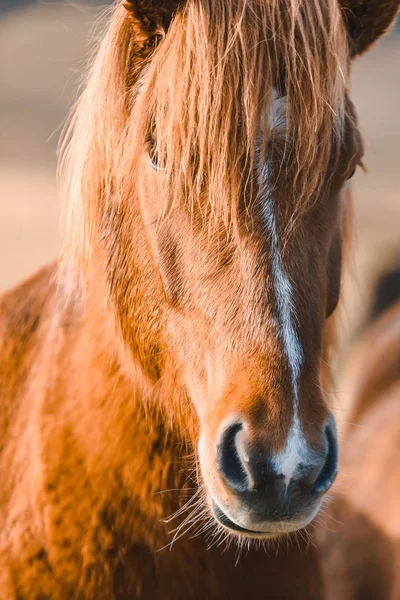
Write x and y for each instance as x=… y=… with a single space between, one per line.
x=198 y=98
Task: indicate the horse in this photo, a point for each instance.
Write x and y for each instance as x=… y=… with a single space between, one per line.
x=169 y=370
x=359 y=541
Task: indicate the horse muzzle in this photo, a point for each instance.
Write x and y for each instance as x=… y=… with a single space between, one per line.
x=260 y=494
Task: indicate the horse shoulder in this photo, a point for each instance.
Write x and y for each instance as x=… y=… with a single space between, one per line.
x=23 y=311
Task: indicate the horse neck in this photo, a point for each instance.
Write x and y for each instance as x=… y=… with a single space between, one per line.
x=109 y=416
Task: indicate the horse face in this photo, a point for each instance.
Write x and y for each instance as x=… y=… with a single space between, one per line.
x=245 y=317
x=244 y=313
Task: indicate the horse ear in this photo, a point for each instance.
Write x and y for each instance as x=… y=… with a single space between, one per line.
x=152 y=15
x=367 y=20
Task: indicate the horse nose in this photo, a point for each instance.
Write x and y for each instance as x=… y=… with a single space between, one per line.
x=284 y=485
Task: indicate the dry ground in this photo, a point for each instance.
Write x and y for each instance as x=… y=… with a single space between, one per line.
x=42 y=53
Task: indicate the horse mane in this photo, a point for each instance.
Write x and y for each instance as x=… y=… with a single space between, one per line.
x=217 y=67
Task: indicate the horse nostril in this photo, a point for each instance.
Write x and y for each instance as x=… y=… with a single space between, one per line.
x=329 y=470
x=230 y=463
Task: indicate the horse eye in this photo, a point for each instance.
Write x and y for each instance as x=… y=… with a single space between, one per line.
x=153 y=160
x=152 y=151
x=351 y=174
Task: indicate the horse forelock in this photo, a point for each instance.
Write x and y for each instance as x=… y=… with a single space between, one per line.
x=201 y=98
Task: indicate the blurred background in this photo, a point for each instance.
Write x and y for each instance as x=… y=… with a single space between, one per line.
x=43 y=49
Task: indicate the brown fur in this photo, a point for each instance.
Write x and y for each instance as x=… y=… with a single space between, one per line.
x=371 y=373
x=360 y=538
x=367 y=20
x=81 y=512
x=162 y=321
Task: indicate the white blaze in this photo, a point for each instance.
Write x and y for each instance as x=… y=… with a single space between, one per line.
x=287 y=461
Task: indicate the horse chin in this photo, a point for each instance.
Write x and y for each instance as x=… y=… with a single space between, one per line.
x=264 y=531
x=222 y=519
